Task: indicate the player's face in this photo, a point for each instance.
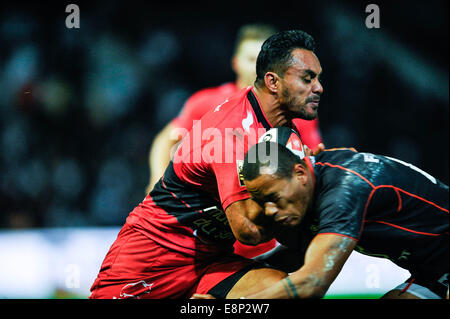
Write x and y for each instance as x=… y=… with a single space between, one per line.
x=300 y=85
x=244 y=62
x=284 y=200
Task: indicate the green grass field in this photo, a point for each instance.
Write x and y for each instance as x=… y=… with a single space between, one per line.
x=373 y=296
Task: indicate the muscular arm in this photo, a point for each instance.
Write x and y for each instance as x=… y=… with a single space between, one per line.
x=324 y=259
x=248 y=222
x=160 y=154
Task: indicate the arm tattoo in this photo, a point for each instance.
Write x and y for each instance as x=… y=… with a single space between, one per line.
x=290 y=288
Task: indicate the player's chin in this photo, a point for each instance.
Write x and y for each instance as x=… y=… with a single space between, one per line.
x=306 y=112
x=310 y=112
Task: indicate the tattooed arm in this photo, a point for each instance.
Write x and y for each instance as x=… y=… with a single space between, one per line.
x=324 y=259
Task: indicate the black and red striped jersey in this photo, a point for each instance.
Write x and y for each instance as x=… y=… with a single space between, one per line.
x=392 y=208
x=185 y=210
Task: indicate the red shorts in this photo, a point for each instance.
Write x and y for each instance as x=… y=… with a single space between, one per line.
x=138 y=267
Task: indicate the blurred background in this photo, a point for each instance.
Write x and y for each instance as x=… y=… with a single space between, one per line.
x=79 y=109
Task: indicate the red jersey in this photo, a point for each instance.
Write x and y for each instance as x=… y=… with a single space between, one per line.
x=204 y=100
x=185 y=210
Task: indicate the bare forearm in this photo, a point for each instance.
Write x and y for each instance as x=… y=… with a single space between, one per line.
x=297 y=285
x=248 y=233
x=241 y=217
x=324 y=259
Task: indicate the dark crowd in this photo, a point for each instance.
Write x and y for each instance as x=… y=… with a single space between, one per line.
x=79 y=108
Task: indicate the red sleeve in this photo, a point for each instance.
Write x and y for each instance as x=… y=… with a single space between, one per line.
x=309 y=132
x=212 y=166
x=219 y=178
x=231 y=188
x=228 y=171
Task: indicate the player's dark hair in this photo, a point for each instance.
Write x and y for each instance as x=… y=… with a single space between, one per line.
x=275 y=54
x=269 y=154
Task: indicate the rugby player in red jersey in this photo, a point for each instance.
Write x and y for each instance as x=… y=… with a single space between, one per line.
x=248 y=43
x=247 y=46
x=179 y=240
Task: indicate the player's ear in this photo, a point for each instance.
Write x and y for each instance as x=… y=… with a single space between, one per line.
x=272 y=81
x=300 y=173
x=234 y=63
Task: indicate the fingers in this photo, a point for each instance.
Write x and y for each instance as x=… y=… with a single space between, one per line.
x=341 y=148
x=320 y=148
x=308 y=151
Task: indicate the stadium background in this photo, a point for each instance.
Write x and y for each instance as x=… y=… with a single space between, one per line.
x=79 y=109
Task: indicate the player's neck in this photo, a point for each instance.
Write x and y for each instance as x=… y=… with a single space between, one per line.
x=272 y=108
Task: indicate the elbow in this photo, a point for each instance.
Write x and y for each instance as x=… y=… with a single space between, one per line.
x=249 y=237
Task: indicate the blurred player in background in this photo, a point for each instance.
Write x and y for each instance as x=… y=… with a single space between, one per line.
x=247 y=46
x=179 y=240
x=343 y=200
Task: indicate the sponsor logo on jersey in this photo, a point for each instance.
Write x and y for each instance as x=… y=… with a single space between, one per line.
x=240 y=173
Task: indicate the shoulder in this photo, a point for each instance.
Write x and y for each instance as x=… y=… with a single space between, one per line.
x=229 y=113
x=212 y=94
x=337 y=158
x=343 y=168
x=198 y=104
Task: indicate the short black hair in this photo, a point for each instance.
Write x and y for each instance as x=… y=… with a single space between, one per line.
x=275 y=53
x=272 y=155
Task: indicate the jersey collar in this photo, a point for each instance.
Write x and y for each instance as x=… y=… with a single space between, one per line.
x=257 y=110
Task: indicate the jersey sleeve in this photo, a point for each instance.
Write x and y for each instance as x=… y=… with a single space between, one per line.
x=228 y=171
x=341 y=205
x=309 y=132
x=229 y=183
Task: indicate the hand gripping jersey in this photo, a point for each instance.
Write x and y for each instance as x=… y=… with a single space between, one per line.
x=185 y=210
x=392 y=208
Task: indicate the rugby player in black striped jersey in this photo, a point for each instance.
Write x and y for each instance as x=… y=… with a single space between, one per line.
x=328 y=205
